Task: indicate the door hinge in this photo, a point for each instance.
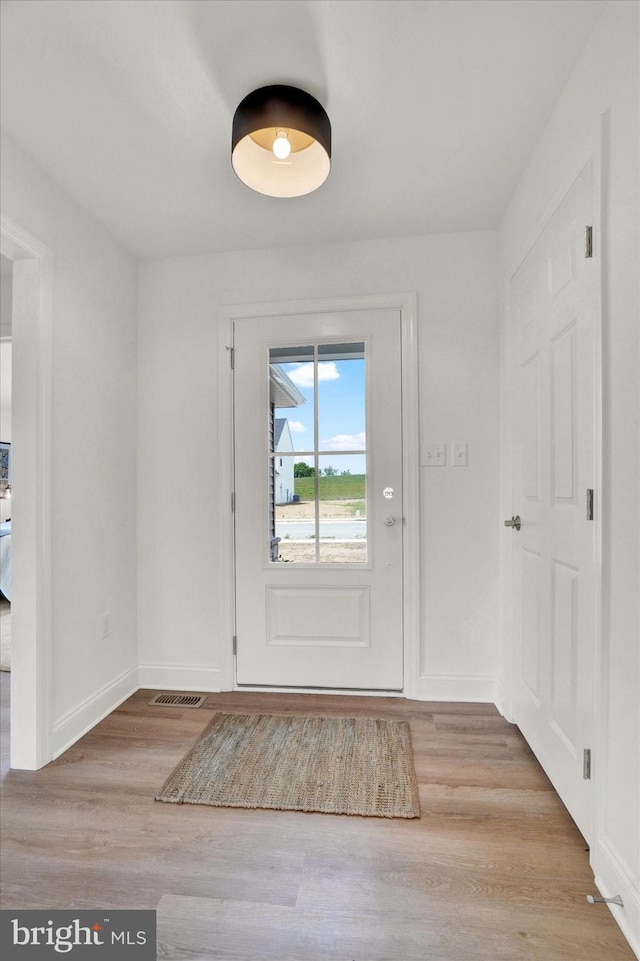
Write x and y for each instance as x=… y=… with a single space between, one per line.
x=588 y=242
x=589 y=503
x=232 y=357
x=586 y=764
x=235 y=644
x=233 y=502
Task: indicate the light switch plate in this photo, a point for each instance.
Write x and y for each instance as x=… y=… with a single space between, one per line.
x=435 y=455
x=460 y=456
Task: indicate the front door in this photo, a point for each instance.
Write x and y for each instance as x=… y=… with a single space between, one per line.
x=554 y=305
x=318 y=501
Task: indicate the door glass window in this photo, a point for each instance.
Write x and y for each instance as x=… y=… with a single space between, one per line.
x=317 y=454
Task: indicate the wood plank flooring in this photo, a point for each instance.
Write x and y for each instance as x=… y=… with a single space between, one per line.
x=494 y=870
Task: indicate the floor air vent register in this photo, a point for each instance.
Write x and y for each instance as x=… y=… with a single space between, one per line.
x=178 y=700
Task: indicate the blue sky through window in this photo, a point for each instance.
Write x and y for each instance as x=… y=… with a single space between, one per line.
x=341 y=412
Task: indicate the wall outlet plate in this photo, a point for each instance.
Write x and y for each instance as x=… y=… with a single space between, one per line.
x=460 y=455
x=435 y=455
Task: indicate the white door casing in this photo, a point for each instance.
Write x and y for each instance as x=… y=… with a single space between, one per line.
x=320 y=625
x=31 y=674
x=554 y=304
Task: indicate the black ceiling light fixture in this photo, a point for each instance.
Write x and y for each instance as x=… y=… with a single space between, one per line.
x=281 y=142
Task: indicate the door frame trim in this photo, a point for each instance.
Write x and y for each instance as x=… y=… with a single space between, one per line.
x=31 y=675
x=407 y=304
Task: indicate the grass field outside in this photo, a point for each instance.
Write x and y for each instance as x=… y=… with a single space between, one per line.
x=341 y=497
x=338 y=488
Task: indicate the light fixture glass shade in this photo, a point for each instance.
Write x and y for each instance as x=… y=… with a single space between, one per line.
x=264 y=116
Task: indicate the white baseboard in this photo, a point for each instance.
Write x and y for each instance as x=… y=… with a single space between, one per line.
x=164 y=677
x=503 y=700
x=456 y=687
x=342 y=692
x=613 y=877
x=70 y=728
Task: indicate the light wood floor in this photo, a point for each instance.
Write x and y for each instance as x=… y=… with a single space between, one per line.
x=495 y=869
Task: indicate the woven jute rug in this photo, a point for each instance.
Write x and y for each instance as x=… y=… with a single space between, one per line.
x=326 y=764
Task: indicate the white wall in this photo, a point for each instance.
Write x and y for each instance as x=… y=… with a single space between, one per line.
x=93 y=447
x=6 y=292
x=605 y=82
x=178 y=537
x=5 y=391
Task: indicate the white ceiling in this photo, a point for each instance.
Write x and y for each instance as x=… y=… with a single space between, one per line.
x=435 y=107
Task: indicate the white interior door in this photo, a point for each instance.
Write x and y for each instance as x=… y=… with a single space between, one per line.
x=554 y=305
x=319 y=559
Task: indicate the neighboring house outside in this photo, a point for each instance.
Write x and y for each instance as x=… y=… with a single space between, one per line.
x=283 y=465
x=283 y=393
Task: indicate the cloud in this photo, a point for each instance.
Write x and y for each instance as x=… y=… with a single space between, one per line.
x=302 y=376
x=296 y=427
x=346 y=442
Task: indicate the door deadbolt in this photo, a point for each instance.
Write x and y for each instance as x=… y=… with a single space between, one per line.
x=514 y=522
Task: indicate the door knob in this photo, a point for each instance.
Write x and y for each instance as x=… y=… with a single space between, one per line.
x=514 y=522
x=389 y=521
